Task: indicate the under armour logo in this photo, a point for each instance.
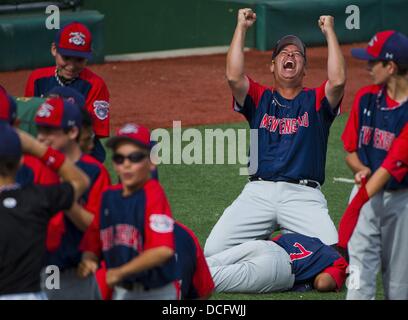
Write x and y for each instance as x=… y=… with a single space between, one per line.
x=389 y=56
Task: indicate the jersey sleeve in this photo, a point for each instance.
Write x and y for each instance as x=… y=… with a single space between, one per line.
x=98 y=105
x=159 y=223
x=60 y=197
x=95 y=193
x=338 y=272
x=323 y=106
x=29 y=89
x=396 y=162
x=43 y=175
x=202 y=279
x=252 y=99
x=91 y=241
x=350 y=133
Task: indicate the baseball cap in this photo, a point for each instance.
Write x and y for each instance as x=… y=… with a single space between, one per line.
x=68 y=93
x=133 y=133
x=287 y=40
x=58 y=113
x=8 y=107
x=385 y=45
x=74 y=40
x=10 y=144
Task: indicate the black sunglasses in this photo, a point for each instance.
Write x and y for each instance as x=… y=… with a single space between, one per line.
x=134 y=157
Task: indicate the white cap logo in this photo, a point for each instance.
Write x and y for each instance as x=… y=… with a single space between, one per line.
x=128 y=129
x=372 y=41
x=45 y=110
x=77 y=38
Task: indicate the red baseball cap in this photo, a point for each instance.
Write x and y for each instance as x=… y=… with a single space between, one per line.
x=8 y=107
x=133 y=133
x=385 y=45
x=58 y=113
x=74 y=40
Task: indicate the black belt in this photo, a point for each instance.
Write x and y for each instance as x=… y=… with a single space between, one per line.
x=304 y=182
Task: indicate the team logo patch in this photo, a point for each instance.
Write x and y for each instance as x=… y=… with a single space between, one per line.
x=128 y=129
x=45 y=110
x=161 y=223
x=372 y=41
x=9 y=203
x=77 y=38
x=101 y=109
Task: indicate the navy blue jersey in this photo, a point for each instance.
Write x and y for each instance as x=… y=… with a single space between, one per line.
x=192 y=269
x=310 y=257
x=292 y=134
x=68 y=255
x=91 y=86
x=374 y=122
x=130 y=225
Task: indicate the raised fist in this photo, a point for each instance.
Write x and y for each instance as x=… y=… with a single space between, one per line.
x=326 y=23
x=246 y=17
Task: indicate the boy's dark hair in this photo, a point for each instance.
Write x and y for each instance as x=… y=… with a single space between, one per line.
x=86 y=119
x=402 y=69
x=9 y=165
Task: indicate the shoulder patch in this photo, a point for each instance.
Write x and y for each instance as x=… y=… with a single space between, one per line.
x=101 y=109
x=161 y=223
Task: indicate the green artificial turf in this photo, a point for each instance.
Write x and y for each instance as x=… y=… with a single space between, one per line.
x=198 y=195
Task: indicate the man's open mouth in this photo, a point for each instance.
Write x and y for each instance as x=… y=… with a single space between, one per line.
x=289 y=65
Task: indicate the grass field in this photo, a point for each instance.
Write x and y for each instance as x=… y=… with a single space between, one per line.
x=199 y=194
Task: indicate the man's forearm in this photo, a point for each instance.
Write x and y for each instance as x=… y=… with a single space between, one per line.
x=336 y=66
x=148 y=259
x=354 y=162
x=235 y=57
x=377 y=181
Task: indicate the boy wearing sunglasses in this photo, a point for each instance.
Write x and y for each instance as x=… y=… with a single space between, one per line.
x=72 y=49
x=135 y=232
x=59 y=124
x=378 y=116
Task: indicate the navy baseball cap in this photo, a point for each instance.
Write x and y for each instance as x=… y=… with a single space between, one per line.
x=385 y=45
x=68 y=93
x=8 y=107
x=10 y=144
x=287 y=40
x=74 y=40
x=133 y=133
x=58 y=113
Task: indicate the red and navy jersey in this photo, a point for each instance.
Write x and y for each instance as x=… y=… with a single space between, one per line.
x=292 y=134
x=129 y=225
x=375 y=121
x=193 y=272
x=310 y=257
x=94 y=89
x=68 y=255
x=34 y=171
x=396 y=162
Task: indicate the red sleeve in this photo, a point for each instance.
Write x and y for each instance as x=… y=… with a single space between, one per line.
x=95 y=193
x=91 y=241
x=338 y=271
x=29 y=89
x=97 y=104
x=255 y=91
x=202 y=279
x=350 y=133
x=396 y=162
x=159 y=223
x=43 y=175
x=320 y=95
